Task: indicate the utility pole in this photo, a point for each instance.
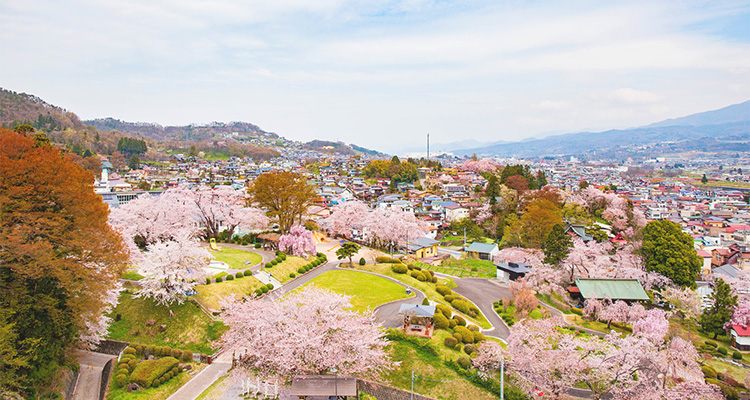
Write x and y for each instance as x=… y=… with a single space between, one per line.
x=412 y=384
x=428 y=147
x=464 y=238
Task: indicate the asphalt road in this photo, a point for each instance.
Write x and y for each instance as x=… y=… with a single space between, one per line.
x=483 y=292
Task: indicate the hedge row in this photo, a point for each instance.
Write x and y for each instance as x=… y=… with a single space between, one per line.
x=319 y=259
x=152 y=373
x=280 y=257
x=159 y=351
x=458 y=302
x=263 y=290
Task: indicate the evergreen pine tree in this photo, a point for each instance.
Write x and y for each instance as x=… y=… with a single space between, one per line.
x=713 y=319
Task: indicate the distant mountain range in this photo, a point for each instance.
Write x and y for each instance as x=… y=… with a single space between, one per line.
x=707 y=131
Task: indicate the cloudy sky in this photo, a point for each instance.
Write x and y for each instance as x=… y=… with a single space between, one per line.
x=381 y=73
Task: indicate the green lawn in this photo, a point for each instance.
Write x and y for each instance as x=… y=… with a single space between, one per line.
x=598 y=326
x=431 y=367
x=189 y=329
x=464 y=268
x=159 y=393
x=132 y=275
x=427 y=288
x=367 y=291
x=210 y=295
x=236 y=258
x=282 y=270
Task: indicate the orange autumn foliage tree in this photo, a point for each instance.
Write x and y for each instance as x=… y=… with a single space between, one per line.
x=59 y=259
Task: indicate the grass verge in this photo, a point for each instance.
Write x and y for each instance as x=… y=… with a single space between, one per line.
x=282 y=270
x=189 y=329
x=367 y=291
x=210 y=295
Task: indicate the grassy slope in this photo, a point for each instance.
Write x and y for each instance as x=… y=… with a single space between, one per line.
x=210 y=295
x=189 y=329
x=427 y=288
x=429 y=366
x=282 y=270
x=236 y=258
x=367 y=291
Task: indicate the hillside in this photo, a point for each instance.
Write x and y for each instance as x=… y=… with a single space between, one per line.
x=732 y=125
x=183 y=132
x=23 y=108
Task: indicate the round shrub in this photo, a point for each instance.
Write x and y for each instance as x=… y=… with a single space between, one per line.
x=449 y=298
x=132 y=364
x=450 y=342
x=473 y=328
x=723 y=351
x=459 y=338
x=129 y=350
x=269 y=265
x=434 y=279
x=292 y=275
x=737 y=355
x=248 y=272
x=460 y=305
x=274 y=262
x=175 y=371
x=155 y=383
x=176 y=353
x=121 y=380
x=258 y=292
x=362 y=261
x=418 y=276
x=417 y=267
x=458 y=347
x=440 y=321
x=123 y=370
x=445 y=310
x=270 y=286
x=257 y=245
x=464 y=362
x=443 y=290
x=162 y=380
x=219 y=279
x=410 y=267
x=152 y=350
x=239 y=275
x=452 y=323
x=187 y=356
x=264 y=289
x=230 y=277
x=459 y=320
x=300 y=270
x=479 y=337
x=399 y=268
x=712 y=344
x=208 y=281
x=466 y=335
x=708 y=371
x=470 y=348
x=429 y=271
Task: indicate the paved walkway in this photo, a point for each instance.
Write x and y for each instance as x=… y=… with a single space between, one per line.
x=195 y=386
x=266 y=278
x=89 y=381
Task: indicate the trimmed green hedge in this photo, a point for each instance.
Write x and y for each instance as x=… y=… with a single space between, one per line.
x=147 y=371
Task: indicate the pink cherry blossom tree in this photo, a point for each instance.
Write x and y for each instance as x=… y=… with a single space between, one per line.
x=741 y=315
x=309 y=331
x=298 y=242
x=483 y=165
x=151 y=219
x=484 y=213
x=172 y=269
x=385 y=226
x=97 y=324
x=346 y=218
x=224 y=206
x=684 y=301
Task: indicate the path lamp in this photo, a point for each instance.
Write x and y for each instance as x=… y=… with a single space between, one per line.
x=335 y=381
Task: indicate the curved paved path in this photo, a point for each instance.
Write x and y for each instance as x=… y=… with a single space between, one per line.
x=89 y=381
x=483 y=292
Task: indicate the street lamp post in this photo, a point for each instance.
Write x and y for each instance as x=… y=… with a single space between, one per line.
x=335 y=381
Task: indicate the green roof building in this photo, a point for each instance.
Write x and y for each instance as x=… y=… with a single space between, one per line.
x=615 y=289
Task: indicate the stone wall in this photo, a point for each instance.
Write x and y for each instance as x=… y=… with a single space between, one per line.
x=383 y=392
x=111 y=347
x=106 y=372
x=69 y=385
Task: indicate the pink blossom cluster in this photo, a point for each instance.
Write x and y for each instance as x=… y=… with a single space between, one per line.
x=379 y=227
x=310 y=331
x=299 y=242
x=484 y=165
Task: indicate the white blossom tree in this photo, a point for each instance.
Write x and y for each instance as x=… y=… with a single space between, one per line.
x=309 y=331
x=299 y=242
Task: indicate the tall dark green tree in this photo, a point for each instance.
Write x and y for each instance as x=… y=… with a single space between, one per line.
x=557 y=246
x=493 y=189
x=134 y=162
x=704 y=179
x=541 y=179
x=347 y=250
x=713 y=319
x=669 y=251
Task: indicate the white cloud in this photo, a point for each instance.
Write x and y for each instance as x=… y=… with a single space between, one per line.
x=632 y=96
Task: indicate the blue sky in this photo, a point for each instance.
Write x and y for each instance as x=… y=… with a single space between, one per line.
x=381 y=73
